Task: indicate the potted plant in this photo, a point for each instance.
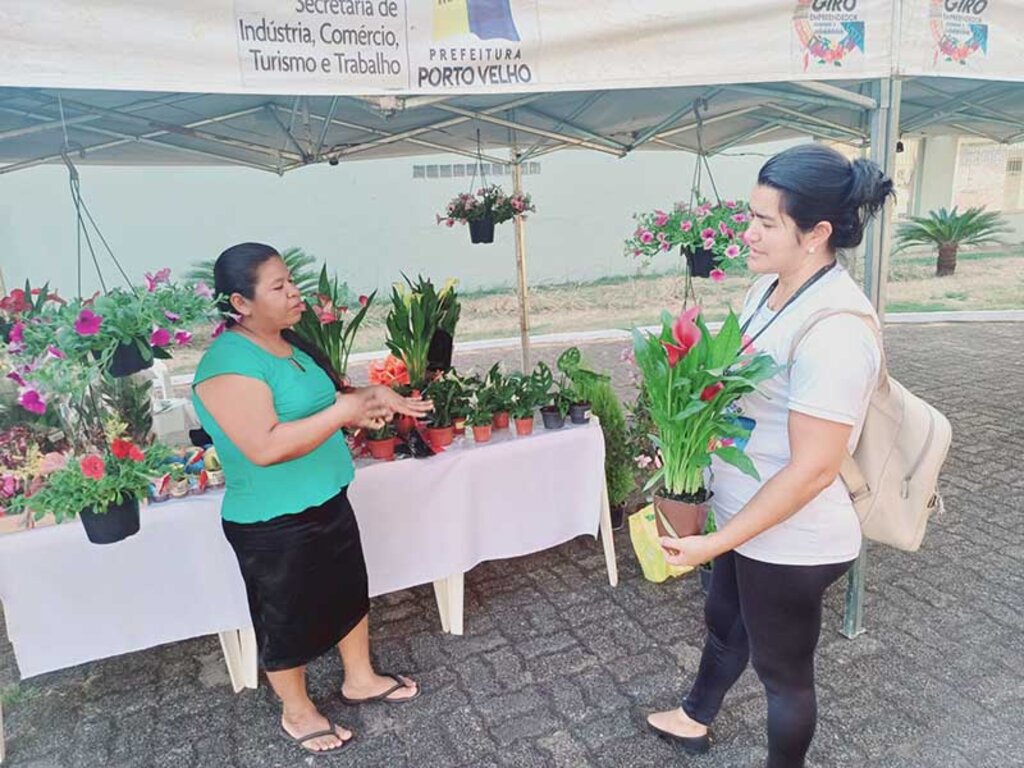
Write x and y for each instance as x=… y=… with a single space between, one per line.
x=618 y=460
x=214 y=469
x=443 y=392
x=480 y=419
x=415 y=315
x=948 y=230
x=179 y=485
x=102 y=487
x=499 y=393
x=324 y=325
x=381 y=442
x=709 y=235
x=555 y=412
x=582 y=379
x=690 y=378
x=489 y=206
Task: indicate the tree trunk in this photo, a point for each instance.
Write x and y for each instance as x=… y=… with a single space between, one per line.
x=946 y=264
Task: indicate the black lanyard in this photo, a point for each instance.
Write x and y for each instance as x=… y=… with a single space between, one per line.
x=771 y=289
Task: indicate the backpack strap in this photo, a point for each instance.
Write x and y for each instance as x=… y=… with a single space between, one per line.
x=817 y=317
x=853 y=478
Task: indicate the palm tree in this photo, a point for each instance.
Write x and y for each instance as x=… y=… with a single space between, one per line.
x=301 y=264
x=948 y=230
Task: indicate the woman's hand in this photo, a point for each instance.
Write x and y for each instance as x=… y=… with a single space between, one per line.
x=393 y=402
x=689 y=550
x=377 y=404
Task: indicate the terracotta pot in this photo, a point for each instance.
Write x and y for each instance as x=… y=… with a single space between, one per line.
x=405 y=425
x=382 y=449
x=460 y=426
x=679 y=518
x=482 y=434
x=441 y=437
x=500 y=420
x=524 y=427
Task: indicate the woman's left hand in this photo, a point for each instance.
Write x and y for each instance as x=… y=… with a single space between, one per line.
x=689 y=550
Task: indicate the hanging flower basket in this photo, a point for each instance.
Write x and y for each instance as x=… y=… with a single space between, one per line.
x=701 y=261
x=482 y=230
x=128 y=359
x=489 y=206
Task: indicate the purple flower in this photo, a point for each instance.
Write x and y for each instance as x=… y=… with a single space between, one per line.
x=31 y=401
x=709 y=243
x=730 y=203
x=646 y=237
x=686 y=225
x=203 y=290
x=182 y=338
x=717 y=275
x=172 y=316
x=739 y=218
x=160 y=337
x=707 y=232
x=660 y=218
x=732 y=251
x=16 y=378
x=54 y=354
x=219 y=329
x=17 y=333
x=88 y=323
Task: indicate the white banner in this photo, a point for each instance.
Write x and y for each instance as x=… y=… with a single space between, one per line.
x=436 y=46
x=963 y=38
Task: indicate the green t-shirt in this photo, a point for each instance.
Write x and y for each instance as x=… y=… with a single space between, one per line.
x=256 y=493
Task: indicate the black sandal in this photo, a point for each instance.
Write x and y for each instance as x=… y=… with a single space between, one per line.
x=399 y=685
x=332 y=731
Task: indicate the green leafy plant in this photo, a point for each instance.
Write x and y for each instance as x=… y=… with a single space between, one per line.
x=618 y=459
x=479 y=415
x=444 y=393
x=488 y=202
x=96 y=480
x=383 y=433
x=581 y=378
x=691 y=377
x=499 y=391
x=948 y=231
x=324 y=325
x=300 y=264
x=417 y=311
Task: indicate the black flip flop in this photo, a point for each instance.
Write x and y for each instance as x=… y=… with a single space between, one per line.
x=332 y=731
x=399 y=685
x=693 y=745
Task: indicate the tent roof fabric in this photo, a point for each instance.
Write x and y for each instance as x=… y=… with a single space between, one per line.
x=281 y=133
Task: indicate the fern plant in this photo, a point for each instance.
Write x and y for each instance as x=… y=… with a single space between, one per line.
x=948 y=231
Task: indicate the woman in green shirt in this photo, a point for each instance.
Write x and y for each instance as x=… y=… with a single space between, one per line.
x=274 y=409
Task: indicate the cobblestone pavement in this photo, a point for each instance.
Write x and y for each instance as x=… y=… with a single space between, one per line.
x=557 y=668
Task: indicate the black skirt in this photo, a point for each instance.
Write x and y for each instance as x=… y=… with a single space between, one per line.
x=305 y=577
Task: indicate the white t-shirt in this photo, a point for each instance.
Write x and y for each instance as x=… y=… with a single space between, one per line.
x=832 y=377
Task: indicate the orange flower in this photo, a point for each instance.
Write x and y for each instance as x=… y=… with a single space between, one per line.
x=390 y=372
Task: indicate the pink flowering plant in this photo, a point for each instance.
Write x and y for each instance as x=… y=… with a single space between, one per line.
x=488 y=202
x=718 y=228
x=332 y=319
x=690 y=377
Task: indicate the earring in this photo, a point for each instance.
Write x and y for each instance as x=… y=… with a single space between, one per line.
x=810 y=250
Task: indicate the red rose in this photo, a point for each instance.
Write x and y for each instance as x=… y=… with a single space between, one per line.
x=93 y=467
x=135 y=454
x=121 y=448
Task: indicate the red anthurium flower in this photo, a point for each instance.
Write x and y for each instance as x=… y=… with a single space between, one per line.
x=93 y=467
x=135 y=454
x=686 y=335
x=711 y=390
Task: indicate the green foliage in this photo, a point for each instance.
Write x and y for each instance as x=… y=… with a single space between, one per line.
x=445 y=393
x=975 y=226
x=618 y=460
x=301 y=265
x=417 y=311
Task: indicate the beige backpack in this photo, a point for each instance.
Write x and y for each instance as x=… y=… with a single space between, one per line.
x=893 y=472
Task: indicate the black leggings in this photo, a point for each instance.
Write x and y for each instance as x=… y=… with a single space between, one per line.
x=770 y=614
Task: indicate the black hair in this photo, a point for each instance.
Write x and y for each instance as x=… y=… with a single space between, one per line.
x=237 y=271
x=818 y=184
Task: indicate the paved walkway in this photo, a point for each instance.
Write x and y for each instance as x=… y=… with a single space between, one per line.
x=557 y=668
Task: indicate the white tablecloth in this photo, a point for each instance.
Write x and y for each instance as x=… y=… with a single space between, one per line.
x=67 y=601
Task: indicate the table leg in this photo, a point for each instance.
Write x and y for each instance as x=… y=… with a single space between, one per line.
x=233 y=657
x=607 y=540
x=249 y=658
x=441 y=595
x=455 y=588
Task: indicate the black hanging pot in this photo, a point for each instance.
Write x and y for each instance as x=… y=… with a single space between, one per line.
x=481 y=230
x=129 y=358
x=700 y=262
x=119 y=522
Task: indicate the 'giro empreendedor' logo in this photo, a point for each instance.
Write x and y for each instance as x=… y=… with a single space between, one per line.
x=958 y=29
x=829 y=32
x=485 y=19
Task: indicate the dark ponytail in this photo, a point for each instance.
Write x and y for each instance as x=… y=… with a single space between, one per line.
x=818 y=184
x=237 y=271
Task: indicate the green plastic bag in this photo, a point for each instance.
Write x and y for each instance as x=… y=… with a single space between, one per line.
x=644 y=534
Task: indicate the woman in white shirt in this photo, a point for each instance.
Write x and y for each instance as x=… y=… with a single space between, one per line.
x=783 y=540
